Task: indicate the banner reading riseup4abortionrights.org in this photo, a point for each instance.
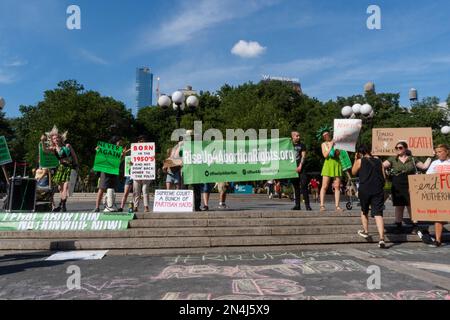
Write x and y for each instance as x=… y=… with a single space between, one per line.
x=245 y=160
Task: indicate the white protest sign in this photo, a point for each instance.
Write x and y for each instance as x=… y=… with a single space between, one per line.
x=143 y=159
x=173 y=201
x=77 y=255
x=346 y=133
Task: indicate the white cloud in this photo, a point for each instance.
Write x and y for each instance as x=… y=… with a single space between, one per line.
x=250 y=49
x=6 y=77
x=192 y=19
x=16 y=63
x=91 y=57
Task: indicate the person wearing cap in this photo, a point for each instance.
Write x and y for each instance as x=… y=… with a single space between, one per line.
x=401 y=166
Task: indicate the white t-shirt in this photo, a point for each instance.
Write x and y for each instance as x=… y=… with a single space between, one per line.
x=439 y=166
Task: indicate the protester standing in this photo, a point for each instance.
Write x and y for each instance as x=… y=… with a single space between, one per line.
x=403 y=165
x=68 y=161
x=441 y=165
x=371 y=191
x=141 y=188
x=301 y=183
x=332 y=168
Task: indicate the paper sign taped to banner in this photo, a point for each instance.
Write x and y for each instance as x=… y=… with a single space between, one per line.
x=173 y=201
x=430 y=197
x=346 y=133
x=419 y=140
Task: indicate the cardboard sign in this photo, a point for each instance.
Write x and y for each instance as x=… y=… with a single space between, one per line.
x=430 y=197
x=173 y=201
x=108 y=158
x=419 y=140
x=346 y=133
x=143 y=159
x=5 y=157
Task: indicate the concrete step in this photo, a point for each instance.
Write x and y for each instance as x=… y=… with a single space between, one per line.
x=192 y=232
x=252 y=214
x=192 y=242
x=250 y=222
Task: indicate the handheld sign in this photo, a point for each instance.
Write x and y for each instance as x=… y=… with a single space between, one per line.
x=127 y=166
x=143 y=159
x=345 y=160
x=346 y=133
x=47 y=160
x=173 y=201
x=107 y=158
x=430 y=197
x=5 y=156
x=419 y=140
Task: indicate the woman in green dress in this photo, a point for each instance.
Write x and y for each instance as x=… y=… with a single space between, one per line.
x=68 y=160
x=332 y=168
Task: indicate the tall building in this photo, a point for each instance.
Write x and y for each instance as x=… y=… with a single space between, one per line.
x=144 y=87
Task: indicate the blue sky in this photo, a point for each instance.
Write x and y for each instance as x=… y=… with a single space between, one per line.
x=326 y=44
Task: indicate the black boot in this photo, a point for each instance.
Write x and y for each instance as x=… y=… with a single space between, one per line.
x=58 y=208
x=63 y=205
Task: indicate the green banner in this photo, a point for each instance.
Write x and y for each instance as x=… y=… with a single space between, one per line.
x=108 y=158
x=236 y=161
x=5 y=157
x=67 y=221
x=345 y=160
x=47 y=160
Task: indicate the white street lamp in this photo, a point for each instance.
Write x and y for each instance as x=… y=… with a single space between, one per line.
x=445 y=130
x=192 y=101
x=347 y=111
x=356 y=108
x=164 y=101
x=182 y=106
x=178 y=97
x=366 y=109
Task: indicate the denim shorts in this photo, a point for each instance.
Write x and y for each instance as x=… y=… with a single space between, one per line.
x=207 y=187
x=174 y=177
x=128 y=181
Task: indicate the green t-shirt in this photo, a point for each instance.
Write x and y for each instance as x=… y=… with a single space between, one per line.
x=398 y=167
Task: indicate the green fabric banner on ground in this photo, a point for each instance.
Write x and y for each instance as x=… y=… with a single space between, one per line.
x=67 y=221
x=108 y=158
x=5 y=157
x=235 y=161
x=47 y=160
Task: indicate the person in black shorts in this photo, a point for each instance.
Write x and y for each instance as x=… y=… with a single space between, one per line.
x=301 y=183
x=371 y=191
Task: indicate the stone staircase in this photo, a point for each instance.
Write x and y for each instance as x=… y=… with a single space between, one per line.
x=181 y=232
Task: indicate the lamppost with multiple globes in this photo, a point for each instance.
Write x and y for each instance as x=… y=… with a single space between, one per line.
x=178 y=102
x=364 y=112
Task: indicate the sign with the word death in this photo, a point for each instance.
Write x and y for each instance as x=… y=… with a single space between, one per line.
x=419 y=140
x=143 y=161
x=173 y=201
x=5 y=157
x=107 y=158
x=430 y=197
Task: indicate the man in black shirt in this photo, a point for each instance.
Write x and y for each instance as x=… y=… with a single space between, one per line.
x=300 y=183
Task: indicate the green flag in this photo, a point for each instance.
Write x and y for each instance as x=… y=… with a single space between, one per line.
x=5 y=157
x=108 y=158
x=47 y=160
x=233 y=161
x=345 y=160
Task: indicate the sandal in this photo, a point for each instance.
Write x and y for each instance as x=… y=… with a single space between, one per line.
x=322 y=209
x=339 y=209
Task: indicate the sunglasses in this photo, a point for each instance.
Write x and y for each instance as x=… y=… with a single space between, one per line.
x=399 y=148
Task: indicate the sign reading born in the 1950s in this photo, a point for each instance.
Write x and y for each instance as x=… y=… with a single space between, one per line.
x=430 y=197
x=419 y=140
x=143 y=161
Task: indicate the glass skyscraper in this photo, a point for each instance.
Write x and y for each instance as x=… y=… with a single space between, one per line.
x=144 y=87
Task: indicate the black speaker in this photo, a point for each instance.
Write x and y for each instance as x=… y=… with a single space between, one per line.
x=21 y=194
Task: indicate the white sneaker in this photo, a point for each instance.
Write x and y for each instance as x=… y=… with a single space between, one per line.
x=109 y=209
